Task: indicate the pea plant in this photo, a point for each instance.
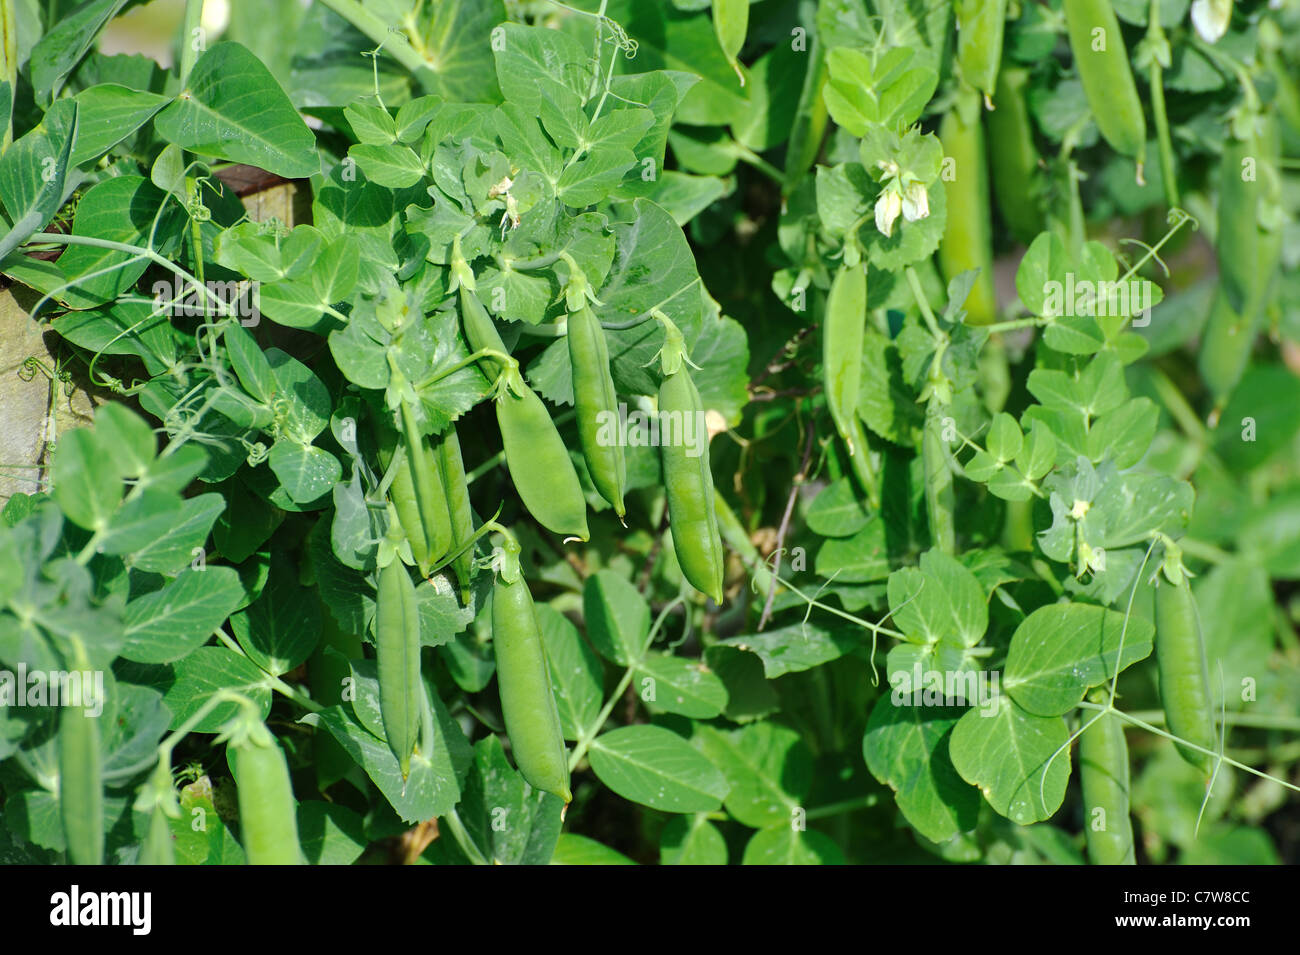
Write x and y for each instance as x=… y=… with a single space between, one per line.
x=784 y=432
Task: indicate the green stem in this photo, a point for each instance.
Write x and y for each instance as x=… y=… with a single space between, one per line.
x=758 y=162
x=8 y=63
x=580 y=750
x=459 y=833
x=193 y=22
x=377 y=30
x=939 y=498
x=1254 y=721
x=837 y=808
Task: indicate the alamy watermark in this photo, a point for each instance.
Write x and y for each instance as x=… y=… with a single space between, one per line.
x=923 y=687
x=235 y=299
x=79 y=688
x=642 y=429
x=1084 y=297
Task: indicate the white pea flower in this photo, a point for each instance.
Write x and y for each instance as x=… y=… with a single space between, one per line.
x=916 y=202
x=1210 y=17
x=888 y=206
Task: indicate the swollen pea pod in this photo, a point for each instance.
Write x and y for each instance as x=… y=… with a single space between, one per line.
x=267 y=816
x=1184 y=679
x=979 y=41
x=81 y=785
x=596 y=402
x=1104 y=779
x=397 y=644
x=688 y=479
x=452 y=467
x=1014 y=162
x=539 y=463
x=1248 y=255
x=843 y=332
x=967 y=235
x=524 y=681
x=418 y=495
x=1103 y=65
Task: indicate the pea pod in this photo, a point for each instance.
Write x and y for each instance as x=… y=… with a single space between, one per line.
x=843 y=333
x=688 y=479
x=979 y=41
x=524 y=680
x=81 y=786
x=810 y=118
x=452 y=467
x=1104 y=779
x=267 y=816
x=538 y=461
x=596 y=402
x=418 y=495
x=158 y=847
x=939 y=499
x=397 y=644
x=1016 y=176
x=967 y=235
x=1103 y=65
x=1184 y=679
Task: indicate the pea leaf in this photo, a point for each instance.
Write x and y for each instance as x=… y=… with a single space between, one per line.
x=657 y=768
x=768 y=769
x=576 y=674
x=170 y=623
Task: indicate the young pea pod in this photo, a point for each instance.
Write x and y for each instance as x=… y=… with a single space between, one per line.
x=596 y=403
x=418 y=495
x=939 y=499
x=979 y=41
x=843 y=332
x=81 y=786
x=158 y=847
x=1104 y=778
x=1248 y=251
x=1016 y=176
x=539 y=463
x=688 y=479
x=1184 y=679
x=524 y=680
x=1103 y=65
x=267 y=816
x=452 y=467
x=397 y=644
x=967 y=235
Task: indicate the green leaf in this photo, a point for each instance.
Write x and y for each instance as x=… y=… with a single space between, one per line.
x=234 y=109
x=532 y=65
x=617 y=616
x=785 y=845
x=330 y=833
x=86 y=490
x=1062 y=650
x=510 y=823
x=768 y=769
x=108 y=114
x=837 y=510
x=857 y=559
x=1005 y=752
x=679 y=685
x=393 y=166
x=906 y=747
x=573 y=849
x=201 y=673
x=576 y=674
x=657 y=768
x=168 y=624
x=34 y=174
x=692 y=840
x=798 y=647
x=68 y=40
x=280 y=629
x=175 y=547
x=940 y=601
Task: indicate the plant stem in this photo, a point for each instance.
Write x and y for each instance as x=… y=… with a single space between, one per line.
x=580 y=750
x=459 y=833
x=375 y=28
x=193 y=24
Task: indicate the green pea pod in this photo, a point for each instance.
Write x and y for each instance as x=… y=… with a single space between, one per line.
x=1184 y=678
x=420 y=499
x=527 y=699
x=539 y=462
x=81 y=787
x=809 y=127
x=979 y=41
x=1103 y=65
x=939 y=500
x=1016 y=175
x=843 y=332
x=596 y=403
x=158 y=847
x=267 y=816
x=452 y=466
x=688 y=479
x=967 y=235
x=1104 y=779
x=1248 y=252
x=397 y=644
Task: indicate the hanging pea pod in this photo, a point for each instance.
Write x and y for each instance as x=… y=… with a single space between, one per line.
x=967 y=235
x=939 y=499
x=524 y=680
x=452 y=468
x=268 y=819
x=1104 y=780
x=1017 y=185
x=811 y=115
x=81 y=785
x=843 y=332
x=418 y=495
x=539 y=462
x=596 y=402
x=159 y=800
x=397 y=644
x=979 y=42
x=1184 y=676
x=1103 y=65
